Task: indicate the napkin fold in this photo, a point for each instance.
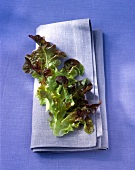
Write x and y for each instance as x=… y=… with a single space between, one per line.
x=78 y=41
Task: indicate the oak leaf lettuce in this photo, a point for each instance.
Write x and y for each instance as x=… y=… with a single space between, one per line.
x=63 y=95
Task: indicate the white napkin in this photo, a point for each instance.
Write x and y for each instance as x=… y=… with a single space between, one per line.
x=78 y=41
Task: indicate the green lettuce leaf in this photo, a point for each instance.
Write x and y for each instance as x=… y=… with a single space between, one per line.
x=63 y=95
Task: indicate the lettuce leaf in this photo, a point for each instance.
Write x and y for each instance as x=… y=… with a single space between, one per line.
x=63 y=95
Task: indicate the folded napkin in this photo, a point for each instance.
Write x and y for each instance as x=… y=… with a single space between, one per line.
x=78 y=41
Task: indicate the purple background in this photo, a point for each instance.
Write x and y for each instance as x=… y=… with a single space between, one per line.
x=18 y=18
